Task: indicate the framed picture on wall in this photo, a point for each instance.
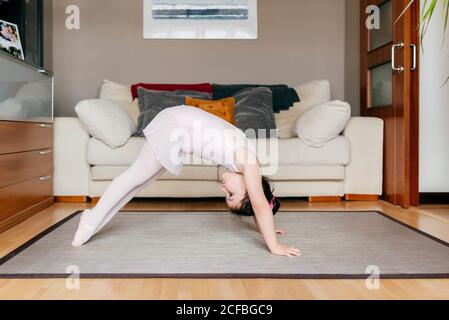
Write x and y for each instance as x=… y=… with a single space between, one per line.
x=200 y=19
x=10 y=39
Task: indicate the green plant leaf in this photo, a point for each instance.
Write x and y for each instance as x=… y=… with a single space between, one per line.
x=446 y=16
x=427 y=11
x=427 y=17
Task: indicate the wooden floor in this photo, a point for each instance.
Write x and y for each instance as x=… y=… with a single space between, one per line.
x=431 y=219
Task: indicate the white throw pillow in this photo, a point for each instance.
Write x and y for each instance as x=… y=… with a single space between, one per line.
x=106 y=120
x=323 y=123
x=311 y=94
x=120 y=94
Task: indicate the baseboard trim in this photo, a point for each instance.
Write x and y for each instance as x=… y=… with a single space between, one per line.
x=72 y=199
x=25 y=214
x=325 y=199
x=330 y=199
x=361 y=197
x=434 y=198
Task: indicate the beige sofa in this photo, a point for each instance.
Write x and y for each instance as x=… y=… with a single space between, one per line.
x=351 y=164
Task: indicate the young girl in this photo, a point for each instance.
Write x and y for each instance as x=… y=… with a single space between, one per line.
x=185 y=130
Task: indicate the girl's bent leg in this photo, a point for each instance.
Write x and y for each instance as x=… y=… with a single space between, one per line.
x=122 y=189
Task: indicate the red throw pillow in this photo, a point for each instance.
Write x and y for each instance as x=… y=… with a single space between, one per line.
x=202 y=87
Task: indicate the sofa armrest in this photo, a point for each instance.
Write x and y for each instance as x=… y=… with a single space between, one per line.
x=71 y=170
x=364 y=174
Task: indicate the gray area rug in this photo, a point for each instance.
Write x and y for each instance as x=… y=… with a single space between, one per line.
x=335 y=245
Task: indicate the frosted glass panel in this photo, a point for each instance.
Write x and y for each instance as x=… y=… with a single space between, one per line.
x=26 y=94
x=381 y=86
x=384 y=35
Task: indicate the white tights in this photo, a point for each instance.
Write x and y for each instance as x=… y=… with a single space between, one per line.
x=144 y=170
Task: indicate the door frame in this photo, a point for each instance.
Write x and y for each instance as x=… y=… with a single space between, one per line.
x=408 y=194
x=415 y=109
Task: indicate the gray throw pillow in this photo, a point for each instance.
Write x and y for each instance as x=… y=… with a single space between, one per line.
x=152 y=102
x=254 y=110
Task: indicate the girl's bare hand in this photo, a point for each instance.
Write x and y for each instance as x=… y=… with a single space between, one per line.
x=284 y=250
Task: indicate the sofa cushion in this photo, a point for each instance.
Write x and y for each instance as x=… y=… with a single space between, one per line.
x=312 y=94
x=189 y=173
x=207 y=173
x=201 y=87
x=295 y=152
x=254 y=112
x=99 y=154
x=323 y=123
x=223 y=108
x=305 y=173
x=283 y=97
x=151 y=103
x=290 y=151
x=120 y=94
x=106 y=121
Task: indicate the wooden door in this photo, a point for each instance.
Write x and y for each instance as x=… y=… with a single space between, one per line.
x=389 y=90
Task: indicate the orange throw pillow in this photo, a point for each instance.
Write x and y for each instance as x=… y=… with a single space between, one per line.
x=223 y=108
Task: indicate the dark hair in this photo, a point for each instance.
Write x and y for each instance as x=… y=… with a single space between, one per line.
x=247 y=208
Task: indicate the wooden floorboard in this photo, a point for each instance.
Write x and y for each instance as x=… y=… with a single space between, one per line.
x=433 y=220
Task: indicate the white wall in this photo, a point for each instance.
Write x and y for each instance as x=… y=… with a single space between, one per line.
x=299 y=41
x=352 y=55
x=434 y=104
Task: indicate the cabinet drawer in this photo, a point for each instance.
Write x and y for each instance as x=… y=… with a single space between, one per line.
x=21 y=196
x=18 y=167
x=23 y=136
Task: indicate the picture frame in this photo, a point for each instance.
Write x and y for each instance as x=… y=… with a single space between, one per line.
x=10 y=41
x=200 y=19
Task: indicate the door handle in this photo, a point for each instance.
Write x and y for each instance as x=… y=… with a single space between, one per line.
x=45 y=178
x=414 y=58
x=42 y=71
x=44 y=153
x=399 y=69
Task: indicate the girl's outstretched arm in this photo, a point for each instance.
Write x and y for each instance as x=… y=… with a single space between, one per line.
x=278 y=231
x=261 y=207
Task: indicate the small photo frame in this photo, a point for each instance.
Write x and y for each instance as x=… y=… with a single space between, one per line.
x=10 y=39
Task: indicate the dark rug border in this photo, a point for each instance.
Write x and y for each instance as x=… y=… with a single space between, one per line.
x=36 y=238
x=39 y=236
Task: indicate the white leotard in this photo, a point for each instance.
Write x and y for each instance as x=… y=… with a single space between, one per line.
x=184 y=130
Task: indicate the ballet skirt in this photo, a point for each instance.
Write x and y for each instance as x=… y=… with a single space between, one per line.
x=183 y=130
